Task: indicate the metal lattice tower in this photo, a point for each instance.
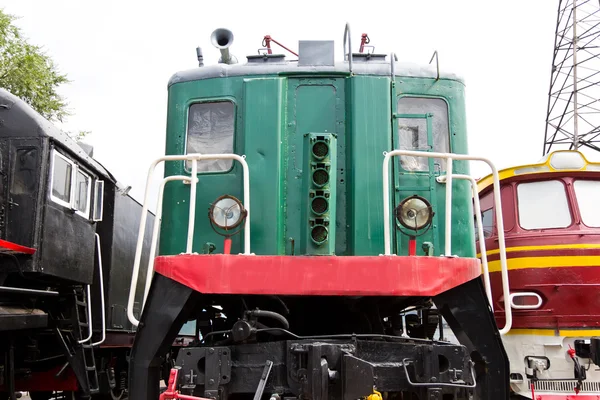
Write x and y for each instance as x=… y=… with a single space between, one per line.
x=573 y=114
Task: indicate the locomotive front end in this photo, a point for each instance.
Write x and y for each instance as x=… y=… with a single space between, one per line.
x=307 y=233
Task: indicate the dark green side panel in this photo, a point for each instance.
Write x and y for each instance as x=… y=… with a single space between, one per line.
x=210 y=185
x=369 y=136
x=315 y=105
x=264 y=145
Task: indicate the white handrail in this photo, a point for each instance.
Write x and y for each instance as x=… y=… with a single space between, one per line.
x=193 y=179
x=103 y=307
x=497 y=202
x=477 y=206
x=157 y=223
x=89 y=312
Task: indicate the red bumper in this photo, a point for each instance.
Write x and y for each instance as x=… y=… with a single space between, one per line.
x=318 y=275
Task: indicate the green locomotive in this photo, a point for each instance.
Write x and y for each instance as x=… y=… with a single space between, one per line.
x=334 y=282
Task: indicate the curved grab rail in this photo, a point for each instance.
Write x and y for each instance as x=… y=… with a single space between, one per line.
x=437 y=63
x=348 y=36
x=393 y=59
x=103 y=306
x=193 y=180
x=157 y=223
x=448 y=221
x=477 y=206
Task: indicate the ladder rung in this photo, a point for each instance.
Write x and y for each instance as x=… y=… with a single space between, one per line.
x=81 y=303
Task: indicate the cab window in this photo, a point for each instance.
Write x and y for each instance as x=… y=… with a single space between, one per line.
x=414 y=116
x=82 y=193
x=62 y=175
x=210 y=131
x=71 y=187
x=587 y=193
x=543 y=205
x=487 y=222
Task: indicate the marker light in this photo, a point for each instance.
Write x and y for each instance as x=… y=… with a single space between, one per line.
x=414 y=213
x=567 y=160
x=227 y=212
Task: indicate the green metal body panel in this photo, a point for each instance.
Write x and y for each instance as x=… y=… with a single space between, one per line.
x=275 y=116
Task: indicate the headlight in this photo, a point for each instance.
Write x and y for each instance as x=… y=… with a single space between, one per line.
x=414 y=213
x=227 y=212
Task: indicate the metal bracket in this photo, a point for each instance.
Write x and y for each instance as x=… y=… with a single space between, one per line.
x=263 y=380
x=437 y=62
x=438 y=384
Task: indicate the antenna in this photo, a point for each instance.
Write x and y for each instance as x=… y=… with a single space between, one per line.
x=573 y=113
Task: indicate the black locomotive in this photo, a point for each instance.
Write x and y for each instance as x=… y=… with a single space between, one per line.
x=67 y=243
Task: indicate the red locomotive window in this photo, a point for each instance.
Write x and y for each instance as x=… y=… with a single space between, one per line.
x=543 y=205
x=587 y=193
x=210 y=131
x=487 y=222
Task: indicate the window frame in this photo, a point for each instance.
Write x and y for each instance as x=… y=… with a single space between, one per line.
x=186 y=130
x=570 y=209
x=428 y=117
x=75 y=168
x=98 y=194
x=88 y=195
x=577 y=202
x=71 y=194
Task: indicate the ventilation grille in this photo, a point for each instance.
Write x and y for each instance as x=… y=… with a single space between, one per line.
x=566 y=386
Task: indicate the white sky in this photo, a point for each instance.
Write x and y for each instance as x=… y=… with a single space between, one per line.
x=120 y=55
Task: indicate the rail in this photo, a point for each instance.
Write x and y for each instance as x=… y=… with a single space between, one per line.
x=449 y=157
x=193 y=181
x=89 y=315
x=348 y=38
x=477 y=206
x=102 y=304
x=89 y=302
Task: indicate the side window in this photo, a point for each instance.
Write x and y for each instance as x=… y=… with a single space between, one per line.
x=82 y=194
x=487 y=220
x=71 y=187
x=543 y=205
x=422 y=126
x=62 y=175
x=210 y=131
x=98 y=200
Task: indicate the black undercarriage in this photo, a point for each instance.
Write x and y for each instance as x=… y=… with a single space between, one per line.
x=320 y=348
x=327 y=369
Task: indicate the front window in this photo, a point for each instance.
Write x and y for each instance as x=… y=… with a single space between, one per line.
x=422 y=126
x=210 y=131
x=543 y=205
x=587 y=193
